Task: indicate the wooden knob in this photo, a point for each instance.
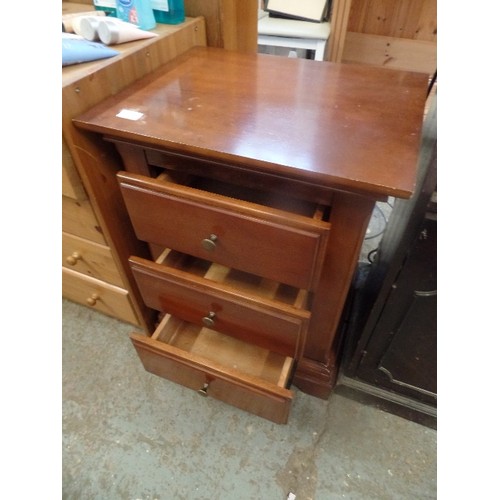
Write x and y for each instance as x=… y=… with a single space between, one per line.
x=73 y=258
x=92 y=300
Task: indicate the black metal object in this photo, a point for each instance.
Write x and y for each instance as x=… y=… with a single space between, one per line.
x=389 y=352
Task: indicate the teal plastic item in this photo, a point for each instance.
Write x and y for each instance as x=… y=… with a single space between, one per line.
x=108 y=6
x=168 y=11
x=138 y=12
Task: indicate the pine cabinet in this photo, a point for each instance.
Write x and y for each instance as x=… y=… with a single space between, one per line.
x=94 y=273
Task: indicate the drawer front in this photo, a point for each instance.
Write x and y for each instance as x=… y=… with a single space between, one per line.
x=89 y=258
x=79 y=219
x=259 y=397
x=268 y=324
x=108 y=299
x=268 y=242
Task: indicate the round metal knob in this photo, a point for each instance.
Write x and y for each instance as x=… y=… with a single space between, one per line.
x=73 y=258
x=209 y=320
x=204 y=390
x=209 y=243
x=92 y=300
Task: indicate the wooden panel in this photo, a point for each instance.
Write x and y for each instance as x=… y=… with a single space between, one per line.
x=89 y=258
x=239 y=22
x=317 y=371
x=68 y=7
x=411 y=19
x=426 y=27
x=394 y=53
x=230 y=24
x=339 y=20
x=269 y=324
x=250 y=237
x=71 y=183
x=78 y=218
x=109 y=299
x=211 y=12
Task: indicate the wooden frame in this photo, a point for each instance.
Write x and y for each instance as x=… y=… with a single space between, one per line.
x=397 y=34
x=390 y=52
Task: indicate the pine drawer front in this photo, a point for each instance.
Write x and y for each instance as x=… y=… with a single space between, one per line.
x=103 y=297
x=242 y=375
x=265 y=322
x=89 y=258
x=269 y=242
x=79 y=219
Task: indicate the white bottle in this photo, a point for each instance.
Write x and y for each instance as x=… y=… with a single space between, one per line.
x=86 y=26
x=115 y=31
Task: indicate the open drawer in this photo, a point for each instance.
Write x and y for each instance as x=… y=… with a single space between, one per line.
x=240 y=374
x=253 y=309
x=272 y=236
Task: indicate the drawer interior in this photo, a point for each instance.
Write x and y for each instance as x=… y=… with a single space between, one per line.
x=235 y=174
x=224 y=353
x=262 y=288
x=282 y=201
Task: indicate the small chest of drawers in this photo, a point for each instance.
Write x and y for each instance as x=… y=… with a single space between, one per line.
x=236 y=271
x=254 y=197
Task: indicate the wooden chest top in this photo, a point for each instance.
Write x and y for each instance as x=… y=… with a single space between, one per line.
x=348 y=127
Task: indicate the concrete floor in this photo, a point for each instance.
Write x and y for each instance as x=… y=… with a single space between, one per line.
x=130 y=435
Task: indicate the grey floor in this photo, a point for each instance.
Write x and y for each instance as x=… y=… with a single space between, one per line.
x=130 y=435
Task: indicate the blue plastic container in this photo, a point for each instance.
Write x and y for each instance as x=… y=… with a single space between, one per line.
x=168 y=11
x=137 y=12
x=108 y=6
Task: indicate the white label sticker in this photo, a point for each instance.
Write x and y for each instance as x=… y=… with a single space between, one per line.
x=128 y=114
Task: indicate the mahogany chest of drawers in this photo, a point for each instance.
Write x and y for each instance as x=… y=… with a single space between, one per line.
x=252 y=179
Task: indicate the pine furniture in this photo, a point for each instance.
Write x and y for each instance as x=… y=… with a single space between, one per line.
x=94 y=273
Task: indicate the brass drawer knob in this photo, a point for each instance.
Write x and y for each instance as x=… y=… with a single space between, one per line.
x=92 y=300
x=209 y=243
x=209 y=320
x=204 y=390
x=74 y=258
